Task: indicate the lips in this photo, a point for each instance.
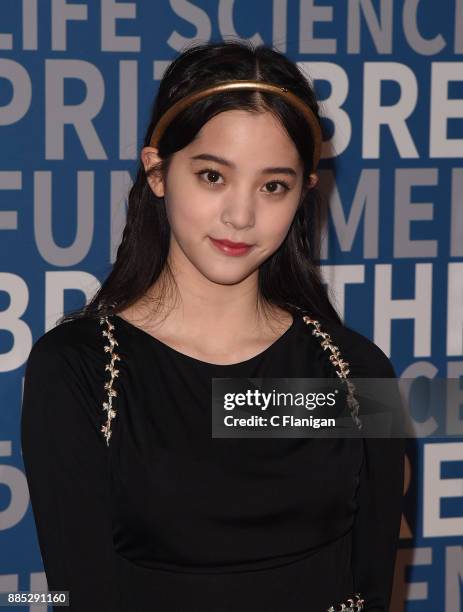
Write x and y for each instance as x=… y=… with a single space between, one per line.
x=232 y=244
x=231 y=248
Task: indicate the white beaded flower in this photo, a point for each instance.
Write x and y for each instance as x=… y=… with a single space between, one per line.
x=351 y=605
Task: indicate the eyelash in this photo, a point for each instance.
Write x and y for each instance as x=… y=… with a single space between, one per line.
x=284 y=184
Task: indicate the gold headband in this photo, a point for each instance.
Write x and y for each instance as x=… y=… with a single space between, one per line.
x=302 y=106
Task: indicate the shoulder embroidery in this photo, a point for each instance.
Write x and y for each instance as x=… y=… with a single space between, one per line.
x=336 y=360
x=109 y=348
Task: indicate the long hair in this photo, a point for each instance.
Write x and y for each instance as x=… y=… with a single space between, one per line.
x=290 y=278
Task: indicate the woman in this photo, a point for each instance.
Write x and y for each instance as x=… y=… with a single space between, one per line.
x=137 y=506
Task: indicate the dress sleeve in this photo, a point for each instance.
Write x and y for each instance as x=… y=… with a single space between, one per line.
x=67 y=468
x=379 y=497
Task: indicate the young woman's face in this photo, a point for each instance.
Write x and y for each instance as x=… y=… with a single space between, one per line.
x=249 y=193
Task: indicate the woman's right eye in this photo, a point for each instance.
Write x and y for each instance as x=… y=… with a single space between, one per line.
x=209 y=174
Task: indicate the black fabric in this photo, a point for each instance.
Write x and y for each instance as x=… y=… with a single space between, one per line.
x=168 y=518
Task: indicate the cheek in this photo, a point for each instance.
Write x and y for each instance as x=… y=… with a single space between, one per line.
x=189 y=216
x=275 y=224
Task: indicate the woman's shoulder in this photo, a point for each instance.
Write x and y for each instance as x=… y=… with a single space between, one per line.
x=366 y=359
x=74 y=338
x=64 y=382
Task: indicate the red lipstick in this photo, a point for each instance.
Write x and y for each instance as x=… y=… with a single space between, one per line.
x=231 y=248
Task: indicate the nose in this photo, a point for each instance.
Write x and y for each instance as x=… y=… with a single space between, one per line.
x=239 y=209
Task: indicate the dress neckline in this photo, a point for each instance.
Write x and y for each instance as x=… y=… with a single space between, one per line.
x=200 y=362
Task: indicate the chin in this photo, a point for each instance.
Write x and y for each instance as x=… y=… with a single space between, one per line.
x=223 y=277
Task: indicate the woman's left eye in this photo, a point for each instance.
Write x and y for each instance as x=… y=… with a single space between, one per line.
x=283 y=184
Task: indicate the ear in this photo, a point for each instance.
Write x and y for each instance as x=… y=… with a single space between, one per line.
x=313 y=180
x=149 y=157
x=309 y=184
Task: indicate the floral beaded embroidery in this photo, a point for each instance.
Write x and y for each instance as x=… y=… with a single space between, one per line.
x=336 y=360
x=350 y=605
x=108 y=405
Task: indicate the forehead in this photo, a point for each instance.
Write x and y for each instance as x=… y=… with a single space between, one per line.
x=245 y=135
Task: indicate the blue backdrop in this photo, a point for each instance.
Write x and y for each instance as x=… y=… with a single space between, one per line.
x=77 y=79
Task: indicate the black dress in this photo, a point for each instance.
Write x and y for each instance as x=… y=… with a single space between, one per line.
x=162 y=517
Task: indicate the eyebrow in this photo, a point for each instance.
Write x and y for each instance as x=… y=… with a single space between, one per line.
x=226 y=162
